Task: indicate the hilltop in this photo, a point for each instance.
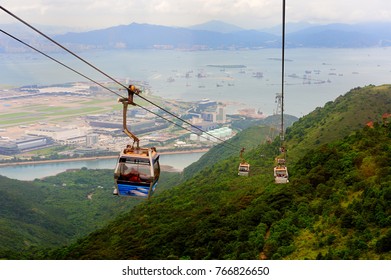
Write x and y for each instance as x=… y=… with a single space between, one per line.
x=337 y=205
x=219 y=35
x=338 y=118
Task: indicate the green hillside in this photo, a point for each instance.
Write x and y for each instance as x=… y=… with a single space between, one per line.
x=62 y=208
x=255 y=132
x=338 y=119
x=56 y=210
x=24 y=219
x=345 y=198
x=337 y=205
x=249 y=138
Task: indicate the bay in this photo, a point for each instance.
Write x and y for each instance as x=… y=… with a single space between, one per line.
x=312 y=76
x=30 y=172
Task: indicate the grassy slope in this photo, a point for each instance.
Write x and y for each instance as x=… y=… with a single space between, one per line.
x=337 y=205
x=339 y=118
x=59 y=209
x=349 y=186
x=249 y=138
x=327 y=211
x=25 y=221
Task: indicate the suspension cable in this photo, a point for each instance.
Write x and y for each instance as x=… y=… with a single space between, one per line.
x=196 y=127
x=103 y=86
x=59 y=62
x=108 y=76
x=77 y=72
x=282 y=70
x=61 y=46
x=185 y=128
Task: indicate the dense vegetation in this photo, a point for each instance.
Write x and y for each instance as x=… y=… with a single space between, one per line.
x=255 y=132
x=58 y=209
x=336 y=206
x=338 y=118
x=344 y=210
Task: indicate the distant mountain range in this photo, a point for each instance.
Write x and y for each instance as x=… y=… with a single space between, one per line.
x=221 y=35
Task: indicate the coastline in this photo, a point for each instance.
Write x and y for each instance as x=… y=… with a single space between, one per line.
x=36 y=162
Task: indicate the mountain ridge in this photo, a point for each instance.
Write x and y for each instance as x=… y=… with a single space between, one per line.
x=331 y=35
x=218 y=35
x=336 y=119
x=216 y=26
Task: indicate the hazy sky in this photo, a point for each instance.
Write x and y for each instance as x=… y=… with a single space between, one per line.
x=256 y=14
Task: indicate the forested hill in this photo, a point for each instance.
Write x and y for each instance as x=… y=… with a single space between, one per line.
x=257 y=133
x=55 y=210
x=336 y=206
x=338 y=119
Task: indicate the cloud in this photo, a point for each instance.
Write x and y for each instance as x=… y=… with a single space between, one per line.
x=343 y=11
x=90 y=14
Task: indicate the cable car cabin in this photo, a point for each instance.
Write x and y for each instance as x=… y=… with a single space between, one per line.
x=244 y=169
x=137 y=172
x=281 y=174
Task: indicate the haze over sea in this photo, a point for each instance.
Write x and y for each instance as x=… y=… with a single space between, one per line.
x=312 y=76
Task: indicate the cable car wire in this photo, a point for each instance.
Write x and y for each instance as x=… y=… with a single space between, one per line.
x=283 y=70
x=108 y=76
x=59 y=62
x=223 y=142
x=61 y=46
x=146 y=109
x=77 y=72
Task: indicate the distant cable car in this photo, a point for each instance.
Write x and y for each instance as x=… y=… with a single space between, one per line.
x=281 y=172
x=244 y=167
x=138 y=169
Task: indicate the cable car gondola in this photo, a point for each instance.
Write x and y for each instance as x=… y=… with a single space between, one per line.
x=137 y=172
x=138 y=169
x=244 y=167
x=281 y=172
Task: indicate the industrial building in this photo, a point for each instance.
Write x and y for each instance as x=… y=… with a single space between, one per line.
x=61 y=135
x=27 y=143
x=208 y=111
x=92 y=139
x=8 y=147
x=136 y=127
x=222 y=133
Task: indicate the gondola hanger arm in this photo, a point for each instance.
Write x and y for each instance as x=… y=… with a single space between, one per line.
x=125 y=102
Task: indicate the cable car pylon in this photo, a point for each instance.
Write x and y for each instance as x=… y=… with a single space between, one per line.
x=281 y=170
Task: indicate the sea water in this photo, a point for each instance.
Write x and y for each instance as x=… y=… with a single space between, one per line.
x=29 y=172
x=312 y=76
